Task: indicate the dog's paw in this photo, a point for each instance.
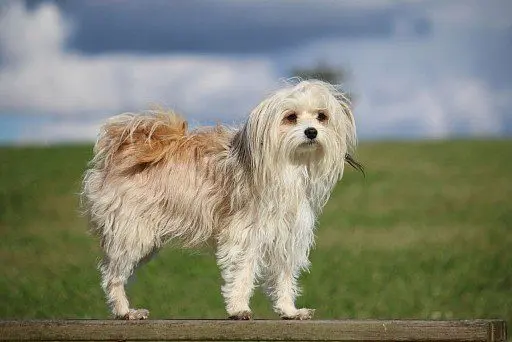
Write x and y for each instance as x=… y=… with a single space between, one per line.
x=136 y=314
x=299 y=314
x=241 y=316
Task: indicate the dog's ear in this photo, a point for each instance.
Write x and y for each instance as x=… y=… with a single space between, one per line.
x=349 y=122
x=355 y=164
x=346 y=104
x=241 y=148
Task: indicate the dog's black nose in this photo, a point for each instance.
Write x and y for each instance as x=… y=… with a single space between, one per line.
x=311 y=132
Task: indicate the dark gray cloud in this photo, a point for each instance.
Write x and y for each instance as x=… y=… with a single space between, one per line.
x=157 y=26
x=492 y=55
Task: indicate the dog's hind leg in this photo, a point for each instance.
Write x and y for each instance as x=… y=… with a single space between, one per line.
x=124 y=251
x=115 y=273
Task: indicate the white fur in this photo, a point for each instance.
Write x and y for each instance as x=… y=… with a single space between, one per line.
x=256 y=193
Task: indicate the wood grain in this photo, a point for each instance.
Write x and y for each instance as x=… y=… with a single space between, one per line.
x=256 y=330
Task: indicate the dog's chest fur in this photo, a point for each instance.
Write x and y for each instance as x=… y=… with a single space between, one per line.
x=284 y=215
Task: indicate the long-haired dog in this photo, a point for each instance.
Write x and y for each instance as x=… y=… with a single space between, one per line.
x=255 y=191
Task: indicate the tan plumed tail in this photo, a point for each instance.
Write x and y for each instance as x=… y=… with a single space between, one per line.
x=135 y=141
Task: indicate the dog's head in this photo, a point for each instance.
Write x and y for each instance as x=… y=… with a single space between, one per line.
x=314 y=121
x=306 y=123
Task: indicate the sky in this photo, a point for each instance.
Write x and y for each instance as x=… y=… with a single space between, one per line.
x=431 y=69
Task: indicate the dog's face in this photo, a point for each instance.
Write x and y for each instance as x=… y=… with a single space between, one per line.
x=305 y=130
x=309 y=123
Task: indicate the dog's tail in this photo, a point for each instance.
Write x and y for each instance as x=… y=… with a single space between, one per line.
x=128 y=143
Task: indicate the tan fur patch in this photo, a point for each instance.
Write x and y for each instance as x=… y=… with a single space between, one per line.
x=142 y=143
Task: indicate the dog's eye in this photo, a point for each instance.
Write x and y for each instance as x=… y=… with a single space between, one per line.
x=321 y=117
x=291 y=118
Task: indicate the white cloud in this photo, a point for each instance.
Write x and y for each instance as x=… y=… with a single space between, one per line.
x=40 y=76
x=23 y=33
x=58 y=131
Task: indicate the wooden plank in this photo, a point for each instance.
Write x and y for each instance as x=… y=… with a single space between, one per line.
x=271 y=330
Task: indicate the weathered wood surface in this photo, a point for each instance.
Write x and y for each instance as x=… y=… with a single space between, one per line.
x=255 y=330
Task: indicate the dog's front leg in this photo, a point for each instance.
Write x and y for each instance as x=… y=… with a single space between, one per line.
x=238 y=268
x=288 y=258
x=283 y=289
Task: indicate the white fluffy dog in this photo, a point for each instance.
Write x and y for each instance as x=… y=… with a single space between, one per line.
x=255 y=192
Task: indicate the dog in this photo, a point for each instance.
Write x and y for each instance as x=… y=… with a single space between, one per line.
x=255 y=192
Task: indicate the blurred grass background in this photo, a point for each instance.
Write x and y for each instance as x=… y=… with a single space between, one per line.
x=427 y=234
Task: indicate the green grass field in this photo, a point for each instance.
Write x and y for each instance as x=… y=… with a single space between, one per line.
x=427 y=234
